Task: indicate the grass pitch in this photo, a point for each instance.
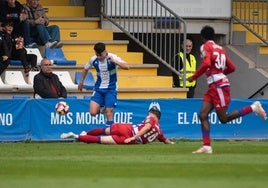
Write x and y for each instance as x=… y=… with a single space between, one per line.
x=73 y=165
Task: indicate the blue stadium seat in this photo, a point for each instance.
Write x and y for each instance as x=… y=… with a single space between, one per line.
x=15 y=62
x=87 y=97
x=71 y=97
x=21 y=97
x=89 y=81
x=58 y=57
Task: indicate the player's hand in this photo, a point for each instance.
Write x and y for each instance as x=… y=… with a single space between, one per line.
x=4 y=57
x=110 y=58
x=128 y=140
x=190 y=79
x=169 y=142
x=80 y=86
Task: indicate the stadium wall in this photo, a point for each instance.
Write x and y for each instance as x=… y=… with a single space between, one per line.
x=36 y=119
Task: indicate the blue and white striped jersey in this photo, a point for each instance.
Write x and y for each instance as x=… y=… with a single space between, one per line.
x=106 y=72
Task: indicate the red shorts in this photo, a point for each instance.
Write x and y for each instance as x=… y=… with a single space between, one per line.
x=219 y=96
x=121 y=131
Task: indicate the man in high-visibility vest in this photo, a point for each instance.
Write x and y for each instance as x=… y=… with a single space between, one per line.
x=190 y=66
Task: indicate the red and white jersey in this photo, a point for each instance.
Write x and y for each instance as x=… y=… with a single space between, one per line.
x=153 y=134
x=215 y=64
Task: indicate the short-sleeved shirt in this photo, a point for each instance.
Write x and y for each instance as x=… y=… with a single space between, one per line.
x=106 y=72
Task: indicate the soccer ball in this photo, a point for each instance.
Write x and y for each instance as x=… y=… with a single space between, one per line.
x=62 y=108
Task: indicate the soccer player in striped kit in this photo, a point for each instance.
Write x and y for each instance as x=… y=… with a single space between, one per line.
x=104 y=97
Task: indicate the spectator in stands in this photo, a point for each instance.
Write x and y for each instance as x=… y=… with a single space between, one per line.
x=216 y=65
x=47 y=84
x=147 y=131
x=39 y=28
x=190 y=67
x=12 y=10
x=12 y=48
x=105 y=89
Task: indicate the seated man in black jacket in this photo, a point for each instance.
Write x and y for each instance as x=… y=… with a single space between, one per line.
x=47 y=84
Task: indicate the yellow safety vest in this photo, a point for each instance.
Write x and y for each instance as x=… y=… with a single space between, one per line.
x=190 y=70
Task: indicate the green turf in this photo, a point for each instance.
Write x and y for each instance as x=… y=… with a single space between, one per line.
x=72 y=165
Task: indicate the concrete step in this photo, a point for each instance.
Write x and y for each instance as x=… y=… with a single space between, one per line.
x=88 y=45
x=263 y=49
x=83 y=57
x=65 y=11
x=250 y=38
x=251 y=14
x=144 y=81
x=51 y=2
x=123 y=93
x=86 y=34
x=152 y=93
x=136 y=70
x=76 y=22
x=256 y=4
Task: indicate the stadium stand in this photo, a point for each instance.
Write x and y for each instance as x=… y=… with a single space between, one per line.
x=89 y=81
x=66 y=80
x=5 y=87
x=58 y=57
x=21 y=97
x=16 y=79
x=31 y=77
x=34 y=51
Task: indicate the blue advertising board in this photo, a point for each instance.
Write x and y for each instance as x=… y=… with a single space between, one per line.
x=36 y=119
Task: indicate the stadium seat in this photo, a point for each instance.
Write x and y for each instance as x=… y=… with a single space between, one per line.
x=87 y=97
x=88 y=82
x=58 y=57
x=5 y=87
x=34 y=51
x=66 y=80
x=71 y=97
x=15 y=62
x=31 y=77
x=21 y=97
x=16 y=79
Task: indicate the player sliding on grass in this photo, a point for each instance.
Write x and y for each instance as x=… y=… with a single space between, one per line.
x=216 y=65
x=146 y=132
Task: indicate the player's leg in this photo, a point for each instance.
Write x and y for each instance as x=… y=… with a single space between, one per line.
x=95 y=103
x=254 y=107
x=104 y=139
x=110 y=103
x=224 y=100
x=206 y=108
x=99 y=131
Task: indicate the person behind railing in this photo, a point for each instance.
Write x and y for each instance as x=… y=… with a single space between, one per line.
x=47 y=84
x=190 y=67
x=104 y=97
x=12 y=47
x=49 y=35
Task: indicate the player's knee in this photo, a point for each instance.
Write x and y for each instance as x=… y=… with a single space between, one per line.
x=93 y=113
x=203 y=116
x=223 y=120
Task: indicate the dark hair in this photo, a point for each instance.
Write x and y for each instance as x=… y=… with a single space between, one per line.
x=208 y=32
x=7 y=23
x=156 y=112
x=99 y=47
x=189 y=37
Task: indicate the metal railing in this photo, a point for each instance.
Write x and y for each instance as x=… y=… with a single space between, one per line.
x=253 y=15
x=151 y=24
